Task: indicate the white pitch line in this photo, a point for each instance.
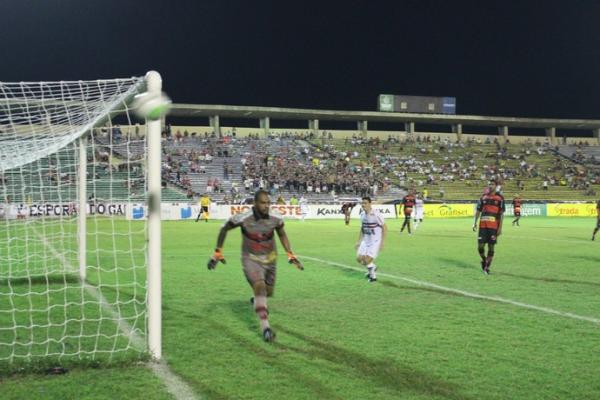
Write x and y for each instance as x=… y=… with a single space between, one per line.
x=463 y=292
x=174 y=384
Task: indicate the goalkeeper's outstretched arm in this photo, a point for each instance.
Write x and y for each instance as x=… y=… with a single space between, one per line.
x=223 y=233
x=218 y=255
x=292 y=259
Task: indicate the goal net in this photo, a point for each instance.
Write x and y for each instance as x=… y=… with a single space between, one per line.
x=73 y=269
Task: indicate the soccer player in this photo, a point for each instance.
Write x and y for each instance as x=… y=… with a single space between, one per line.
x=371 y=238
x=259 y=253
x=517 y=209
x=204 y=204
x=303 y=207
x=597 y=220
x=490 y=208
x=408 y=202
x=347 y=209
x=418 y=211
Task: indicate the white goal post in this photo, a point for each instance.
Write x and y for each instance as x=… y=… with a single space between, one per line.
x=79 y=282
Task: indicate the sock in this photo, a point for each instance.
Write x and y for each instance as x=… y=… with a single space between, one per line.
x=260 y=307
x=372 y=267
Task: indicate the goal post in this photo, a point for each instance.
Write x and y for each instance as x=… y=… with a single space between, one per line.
x=79 y=281
x=154 y=85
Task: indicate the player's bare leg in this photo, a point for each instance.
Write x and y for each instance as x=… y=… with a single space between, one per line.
x=595 y=231
x=260 y=307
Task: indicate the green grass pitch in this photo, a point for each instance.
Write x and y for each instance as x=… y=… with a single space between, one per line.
x=432 y=327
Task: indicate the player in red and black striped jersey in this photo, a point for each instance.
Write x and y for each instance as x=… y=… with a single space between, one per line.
x=408 y=203
x=490 y=211
x=517 y=209
x=346 y=210
x=597 y=220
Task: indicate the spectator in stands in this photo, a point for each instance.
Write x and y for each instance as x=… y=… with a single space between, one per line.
x=225 y=171
x=116 y=134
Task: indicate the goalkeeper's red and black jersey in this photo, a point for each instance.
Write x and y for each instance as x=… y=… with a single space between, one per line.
x=258 y=236
x=408 y=202
x=491 y=207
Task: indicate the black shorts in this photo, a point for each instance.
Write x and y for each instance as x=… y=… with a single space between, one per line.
x=487 y=235
x=204 y=209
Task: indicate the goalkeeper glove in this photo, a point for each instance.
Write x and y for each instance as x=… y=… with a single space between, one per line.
x=293 y=260
x=214 y=260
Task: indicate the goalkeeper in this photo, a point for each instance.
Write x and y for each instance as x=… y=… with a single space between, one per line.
x=259 y=254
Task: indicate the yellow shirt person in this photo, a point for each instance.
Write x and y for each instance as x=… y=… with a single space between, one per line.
x=204 y=204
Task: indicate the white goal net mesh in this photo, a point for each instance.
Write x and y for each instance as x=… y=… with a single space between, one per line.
x=49 y=315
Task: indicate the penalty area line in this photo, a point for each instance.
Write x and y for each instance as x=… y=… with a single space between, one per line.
x=464 y=293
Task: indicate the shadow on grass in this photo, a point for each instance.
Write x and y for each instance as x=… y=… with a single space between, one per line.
x=383 y=372
x=465 y=265
x=546 y=279
x=255 y=347
x=585 y=258
x=461 y=263
x=391 y=284
x=386 y=373
x=40 y=280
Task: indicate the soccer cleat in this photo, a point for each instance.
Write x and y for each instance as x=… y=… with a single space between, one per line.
x=268 y=335
x=371 y=279
x=593 y=237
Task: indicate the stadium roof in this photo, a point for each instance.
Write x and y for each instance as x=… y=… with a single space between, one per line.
x=251 y=112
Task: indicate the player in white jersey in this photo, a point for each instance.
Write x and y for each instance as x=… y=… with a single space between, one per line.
x=371 y=238
x=303 y=207
x=418 y=211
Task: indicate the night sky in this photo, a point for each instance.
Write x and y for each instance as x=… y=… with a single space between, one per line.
x=526 y=58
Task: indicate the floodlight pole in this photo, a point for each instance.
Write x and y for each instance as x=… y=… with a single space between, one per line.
x=153 y=135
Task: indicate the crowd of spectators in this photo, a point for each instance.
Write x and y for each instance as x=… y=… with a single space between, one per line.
x=307 y=163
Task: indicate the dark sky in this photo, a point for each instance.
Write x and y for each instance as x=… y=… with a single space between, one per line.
x=525 y=58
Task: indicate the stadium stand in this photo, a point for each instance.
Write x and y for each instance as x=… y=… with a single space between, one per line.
x=231 y=168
